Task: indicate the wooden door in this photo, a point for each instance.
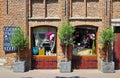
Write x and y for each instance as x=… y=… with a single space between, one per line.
x=117 y=48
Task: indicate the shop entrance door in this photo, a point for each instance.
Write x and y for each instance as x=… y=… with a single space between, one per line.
x=117 y=48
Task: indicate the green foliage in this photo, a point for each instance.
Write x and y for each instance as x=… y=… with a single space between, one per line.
x=66 y=36
x=66 y=33
x=18 y=39
x=107 y=36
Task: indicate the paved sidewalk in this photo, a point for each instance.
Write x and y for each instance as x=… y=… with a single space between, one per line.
x=56 y=74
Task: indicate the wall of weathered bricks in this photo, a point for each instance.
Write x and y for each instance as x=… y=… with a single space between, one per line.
x=2 y=7
x=116 y=9
x=14 y=15
x=32 y=13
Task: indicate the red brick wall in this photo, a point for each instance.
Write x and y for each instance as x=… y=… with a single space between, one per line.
x=52 y=8
x=116 y=9
x=93 y=8
x=38 y=8
x=77 y=8
x=2 y=15
x=18 y=15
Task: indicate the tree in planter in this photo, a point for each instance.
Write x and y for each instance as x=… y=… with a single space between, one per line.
x=19 y=41
x=66 y=36
x=107 y=37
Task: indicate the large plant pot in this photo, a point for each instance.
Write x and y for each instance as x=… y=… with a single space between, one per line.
x=107 y=67
x=65 y=67
x=19 y=66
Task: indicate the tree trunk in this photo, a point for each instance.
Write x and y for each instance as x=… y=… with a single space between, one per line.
x=66 y=59
x=67 y=51
x=18 y=55
x=107 y=54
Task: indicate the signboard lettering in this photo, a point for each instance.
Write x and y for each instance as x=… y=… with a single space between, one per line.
x=8 y=30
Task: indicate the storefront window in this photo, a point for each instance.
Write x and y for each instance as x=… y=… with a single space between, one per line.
x=85 y=41
x=44 y=39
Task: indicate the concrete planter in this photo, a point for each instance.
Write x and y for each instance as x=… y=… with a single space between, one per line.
x=65 y=67
x=107 y=67
x=19 y=66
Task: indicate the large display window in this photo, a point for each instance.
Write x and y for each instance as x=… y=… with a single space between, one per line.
x=44 y=41
x=85 y=41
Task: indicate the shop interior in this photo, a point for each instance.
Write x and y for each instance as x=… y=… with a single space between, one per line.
x=85 y=41
x=44 y=41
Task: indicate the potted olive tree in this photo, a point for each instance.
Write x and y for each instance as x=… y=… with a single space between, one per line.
x=107 y=38
x=19 y=41
x=66 y=37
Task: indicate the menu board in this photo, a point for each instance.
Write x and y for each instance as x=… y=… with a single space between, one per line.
x=8 y=30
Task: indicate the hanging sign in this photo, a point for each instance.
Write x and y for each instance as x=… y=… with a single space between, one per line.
x=8 y=30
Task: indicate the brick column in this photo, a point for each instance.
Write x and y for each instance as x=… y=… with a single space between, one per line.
x=30 y=8
x=106 y=20
x=67 y=10
x=2 y=16
x=106 y=13
x=64 y=15
x=62 y=11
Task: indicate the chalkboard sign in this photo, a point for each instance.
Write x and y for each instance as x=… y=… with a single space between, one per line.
x=8 y=30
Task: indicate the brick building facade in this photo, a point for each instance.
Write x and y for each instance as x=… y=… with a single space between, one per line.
x=30 y=14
